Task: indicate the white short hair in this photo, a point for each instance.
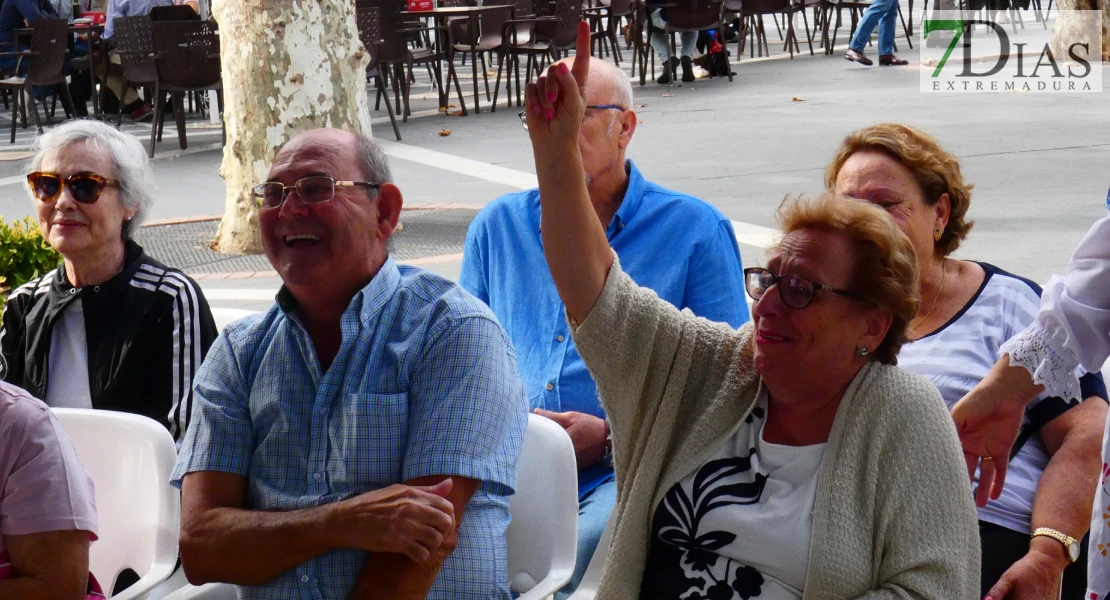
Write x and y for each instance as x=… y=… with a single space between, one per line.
x=129 y=159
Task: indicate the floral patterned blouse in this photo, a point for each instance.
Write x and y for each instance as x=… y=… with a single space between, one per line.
x=739 y=527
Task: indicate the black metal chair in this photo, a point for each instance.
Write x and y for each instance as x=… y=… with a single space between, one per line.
x=604 y=23
x=173 y=13
x=754 y=11
x=538 y=37
x=45 y=67
x=134 y=37
x=394 y=51
x=490 y=39
x=187 y=59
x=369 y=21
x=695 y=15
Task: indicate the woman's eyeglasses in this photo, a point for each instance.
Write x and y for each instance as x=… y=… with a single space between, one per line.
x=310 y=190
x=796 y=291
x=85 y=188
x=524 y=116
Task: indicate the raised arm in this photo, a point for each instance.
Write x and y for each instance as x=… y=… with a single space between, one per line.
x=574 y=242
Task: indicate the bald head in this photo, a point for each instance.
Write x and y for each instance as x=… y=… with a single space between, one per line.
x=348 y=144
x=607 y=84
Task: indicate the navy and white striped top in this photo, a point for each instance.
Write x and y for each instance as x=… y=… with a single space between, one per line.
x=959 y=354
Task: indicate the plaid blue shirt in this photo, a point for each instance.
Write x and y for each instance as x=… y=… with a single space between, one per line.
x=680 y=247
x=424 y=383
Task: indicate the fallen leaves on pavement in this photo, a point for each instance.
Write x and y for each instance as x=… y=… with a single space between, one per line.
x=797 y=99
x=444 y=132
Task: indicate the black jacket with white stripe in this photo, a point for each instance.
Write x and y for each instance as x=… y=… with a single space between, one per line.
x=147 y=331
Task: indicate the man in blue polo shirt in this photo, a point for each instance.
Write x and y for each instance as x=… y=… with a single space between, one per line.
x=679 y=246
x=360 y=438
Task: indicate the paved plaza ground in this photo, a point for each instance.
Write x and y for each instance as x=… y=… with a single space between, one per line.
x=1040 y=163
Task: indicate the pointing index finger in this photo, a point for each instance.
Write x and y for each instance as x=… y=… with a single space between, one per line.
x=581 y=66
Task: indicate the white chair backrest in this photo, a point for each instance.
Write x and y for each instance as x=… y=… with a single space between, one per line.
x=587 y=589
x=543 y=534
x=130 y=459
x=227 y=316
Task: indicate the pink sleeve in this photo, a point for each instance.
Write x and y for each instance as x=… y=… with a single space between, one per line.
x=47 y=487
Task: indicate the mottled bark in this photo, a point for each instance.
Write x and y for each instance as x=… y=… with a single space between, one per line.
x=1079 y=28
x=288 y=66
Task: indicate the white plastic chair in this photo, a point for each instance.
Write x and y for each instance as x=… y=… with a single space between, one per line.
x=543 y=534
x=130 y=459
x=227 y=316
x=208 y=591
x=592 y=577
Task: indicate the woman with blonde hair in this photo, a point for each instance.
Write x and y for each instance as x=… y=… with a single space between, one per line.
x=788 y=459
x=1030 y=532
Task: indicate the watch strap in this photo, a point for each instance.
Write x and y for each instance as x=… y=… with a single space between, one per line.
x=1059 y=536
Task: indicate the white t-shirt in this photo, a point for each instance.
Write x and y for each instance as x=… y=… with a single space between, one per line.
x=68 y=386
x=957 y=357
x=740 y=526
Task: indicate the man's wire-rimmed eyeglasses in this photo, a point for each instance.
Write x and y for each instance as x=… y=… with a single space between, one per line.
x=311 y=190
x=524 y=116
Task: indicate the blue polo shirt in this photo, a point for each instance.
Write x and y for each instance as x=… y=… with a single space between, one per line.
x=424 y=383
x=679 y=246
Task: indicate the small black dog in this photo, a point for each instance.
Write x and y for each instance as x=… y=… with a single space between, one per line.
x=715 y=57
x=715 y=63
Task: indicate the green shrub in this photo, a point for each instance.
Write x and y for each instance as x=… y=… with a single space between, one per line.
x=24 y=255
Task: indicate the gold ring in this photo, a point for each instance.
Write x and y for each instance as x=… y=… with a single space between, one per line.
x=986 y=458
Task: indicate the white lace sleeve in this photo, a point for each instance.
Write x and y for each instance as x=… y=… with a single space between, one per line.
x=1050 y=364
x=1073 y=324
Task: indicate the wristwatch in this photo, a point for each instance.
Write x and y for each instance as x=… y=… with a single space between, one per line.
x=1070 y=544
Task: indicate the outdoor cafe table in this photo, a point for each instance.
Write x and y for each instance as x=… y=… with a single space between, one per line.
x=96 y=42
x=471 y=13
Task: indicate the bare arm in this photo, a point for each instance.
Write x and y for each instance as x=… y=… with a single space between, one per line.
x=1063 y=502
x=988 y=419
x=398 y=577
x=574 y=242
x=1067 y=487
x=52 y=565
x=223 y=542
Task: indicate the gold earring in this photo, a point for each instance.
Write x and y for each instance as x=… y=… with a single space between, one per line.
x=936 y=235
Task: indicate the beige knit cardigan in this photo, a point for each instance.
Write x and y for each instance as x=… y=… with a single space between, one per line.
x=894 y=516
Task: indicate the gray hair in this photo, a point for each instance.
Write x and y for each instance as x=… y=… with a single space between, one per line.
x=126 y=153
x=375 y=166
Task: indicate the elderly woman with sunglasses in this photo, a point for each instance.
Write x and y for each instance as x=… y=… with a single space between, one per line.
x=788 y=459
x=1030 y=531
x=110 y=328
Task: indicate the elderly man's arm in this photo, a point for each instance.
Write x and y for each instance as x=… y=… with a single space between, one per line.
x=391 y=576
x=53 y=565
x=1065 y=493
x=222 y=541
x=466 y=419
